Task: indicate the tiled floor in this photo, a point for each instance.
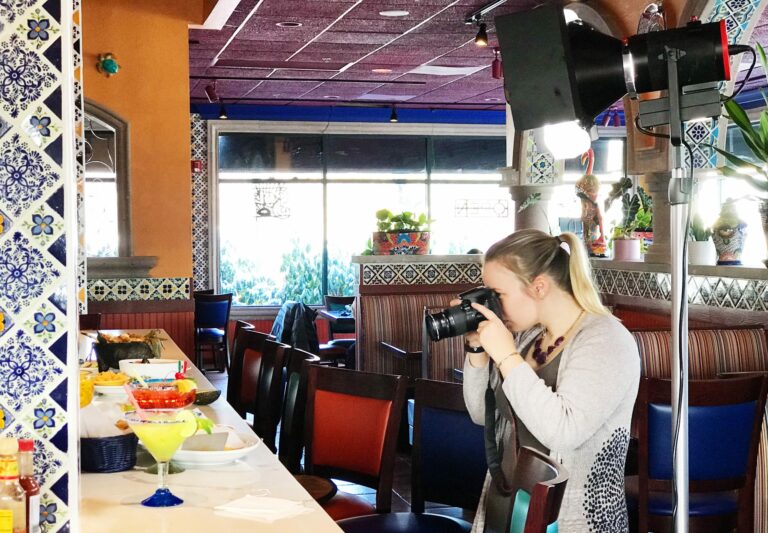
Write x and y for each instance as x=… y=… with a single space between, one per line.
x=401 y=484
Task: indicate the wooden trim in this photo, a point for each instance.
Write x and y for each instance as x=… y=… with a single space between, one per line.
x=141 y=306
x=368 y=290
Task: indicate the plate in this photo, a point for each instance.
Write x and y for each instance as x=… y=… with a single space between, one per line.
x=153 y=369
x=199 y=458
x=112 y=390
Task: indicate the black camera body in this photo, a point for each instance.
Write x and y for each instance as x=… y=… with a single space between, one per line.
x=462 y=318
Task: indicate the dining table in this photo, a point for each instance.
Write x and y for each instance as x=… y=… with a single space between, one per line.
x=110 y=502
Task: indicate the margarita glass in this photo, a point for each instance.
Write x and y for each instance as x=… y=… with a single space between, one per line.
x=161 y=394
x=162 y=432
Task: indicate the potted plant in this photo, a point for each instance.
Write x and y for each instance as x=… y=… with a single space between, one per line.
x=626 y=246
x=644 y=220
x=400 y=234
x=701 y=249
x=754 y=168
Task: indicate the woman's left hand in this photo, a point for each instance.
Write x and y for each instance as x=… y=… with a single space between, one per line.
x=494 y=335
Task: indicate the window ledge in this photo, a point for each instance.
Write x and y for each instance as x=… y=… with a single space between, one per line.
x=741 y=272
x=120 y=267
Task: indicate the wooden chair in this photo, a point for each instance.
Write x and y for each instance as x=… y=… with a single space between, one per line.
x=538 y=486
x=269 y=392
x=335 y=304
x=294 y=405
x=241 y=343
x=350 y=433
x=90 y=321
x=724 y=418
x=448 y=464
x=211 y=324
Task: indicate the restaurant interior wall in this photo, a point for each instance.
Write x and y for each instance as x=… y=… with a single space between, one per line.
x=149 y=38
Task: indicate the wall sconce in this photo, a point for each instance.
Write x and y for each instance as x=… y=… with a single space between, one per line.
x=107 y=64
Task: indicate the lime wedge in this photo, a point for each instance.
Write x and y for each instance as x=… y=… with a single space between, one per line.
x=189 y=426
x=206 y=424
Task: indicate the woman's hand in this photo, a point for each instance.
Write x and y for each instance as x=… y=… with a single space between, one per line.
x=471 y=338
x=494 y=335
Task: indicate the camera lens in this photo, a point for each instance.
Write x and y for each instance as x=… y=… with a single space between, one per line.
x=437 y=326
x=452 y=322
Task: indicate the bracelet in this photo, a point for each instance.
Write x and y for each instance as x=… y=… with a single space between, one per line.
x=473 y=349
x=498 y=365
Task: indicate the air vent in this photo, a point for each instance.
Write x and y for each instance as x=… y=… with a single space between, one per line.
x=327 y=66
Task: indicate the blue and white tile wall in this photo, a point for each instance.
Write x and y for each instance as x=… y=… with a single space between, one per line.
x=200 y=224
x=37 y=228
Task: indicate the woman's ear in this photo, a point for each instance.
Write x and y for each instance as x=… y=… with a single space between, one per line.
x=540 y=286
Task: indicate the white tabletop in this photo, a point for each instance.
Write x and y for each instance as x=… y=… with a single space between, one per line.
x=109 y=502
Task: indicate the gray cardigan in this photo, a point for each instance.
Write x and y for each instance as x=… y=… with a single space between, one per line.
x=584 y=422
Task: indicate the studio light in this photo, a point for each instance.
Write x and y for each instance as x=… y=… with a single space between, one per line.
x=566 y=139
x=481 y=39
x=393 y=115
x=496 y=68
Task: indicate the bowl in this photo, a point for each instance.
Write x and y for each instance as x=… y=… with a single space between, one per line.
x=109 y=354
x=152 y=369
x=214 y=458
x=205 y=397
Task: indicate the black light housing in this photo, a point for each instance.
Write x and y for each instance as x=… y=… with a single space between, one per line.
x=481 y=39
x=393 y=115
x=222 y=112
x=556 y=73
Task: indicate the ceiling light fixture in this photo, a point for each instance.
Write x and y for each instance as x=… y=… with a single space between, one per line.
x=496 y=71
x=394 y=13
x=211 y=93
x=222 y=112
x=331 y=97
x=381 y=70
x=491 y=99
x=393 y=115
x=288 y=24
x=481 y=39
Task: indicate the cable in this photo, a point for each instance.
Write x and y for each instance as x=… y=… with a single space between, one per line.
x=740 y=49
x=648 y=132
x=680 y=336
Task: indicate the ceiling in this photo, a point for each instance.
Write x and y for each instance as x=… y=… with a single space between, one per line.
x=346 y=53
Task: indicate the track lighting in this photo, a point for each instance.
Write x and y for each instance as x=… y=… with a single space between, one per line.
x=481 y=39
x=393 y=115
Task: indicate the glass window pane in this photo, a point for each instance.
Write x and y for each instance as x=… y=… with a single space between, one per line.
x=376 y=157
x=268 y=260
x=101 y=234
x=609 y=159
x=352 y=220
x=467 y=158
x=469 y=216
x=262 y=156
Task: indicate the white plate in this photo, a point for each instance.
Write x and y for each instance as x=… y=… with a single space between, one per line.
x=155 y=369
x=112 y=390
x=197 y=458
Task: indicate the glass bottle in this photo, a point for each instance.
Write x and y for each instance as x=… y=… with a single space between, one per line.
x=29 y=484
x=13 y=516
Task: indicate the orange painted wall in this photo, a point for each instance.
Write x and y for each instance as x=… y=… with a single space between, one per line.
x=149 y=38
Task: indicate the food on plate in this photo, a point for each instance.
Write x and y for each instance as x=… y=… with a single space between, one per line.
x=86 y=388
x=109 y=378
x=121 y=424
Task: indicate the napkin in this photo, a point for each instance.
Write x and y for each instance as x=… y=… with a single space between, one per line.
x=97 y=420
x=263 y=508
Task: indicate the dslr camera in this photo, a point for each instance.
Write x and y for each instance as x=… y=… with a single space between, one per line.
x=462 y=318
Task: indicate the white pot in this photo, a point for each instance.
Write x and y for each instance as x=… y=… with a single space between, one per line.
x=702 y=252
x=626 y=250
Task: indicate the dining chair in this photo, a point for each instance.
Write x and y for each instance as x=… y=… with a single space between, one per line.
x=538 y=487
x=340 y=305
x=211 y=325
x=240 y=343
x=724 y=418
x=350 y=433
x=269 y=392
x=291 y=445
x=448 y=464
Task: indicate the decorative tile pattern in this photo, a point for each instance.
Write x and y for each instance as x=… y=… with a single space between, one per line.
x=34 y=239
x=77 y=59
x=123 y=289
x=728 y=293
x=540 y=167
x=200 y=223
x=421 y=273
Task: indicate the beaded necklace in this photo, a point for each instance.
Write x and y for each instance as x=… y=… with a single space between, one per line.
x=539 y=355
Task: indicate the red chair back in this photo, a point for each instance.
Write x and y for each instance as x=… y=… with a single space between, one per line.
x=246 y=363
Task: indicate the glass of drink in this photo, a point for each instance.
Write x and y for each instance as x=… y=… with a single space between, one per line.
x=162 y=432
x=162 y=394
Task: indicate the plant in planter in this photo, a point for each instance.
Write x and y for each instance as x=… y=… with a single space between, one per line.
x=754 y=168
x=400 y=234
x=701 y=249
x=636 y=215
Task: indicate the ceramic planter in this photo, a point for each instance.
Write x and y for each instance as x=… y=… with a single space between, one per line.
x=701 y=252
x=626 y=250
x=729 y=233
x=400 y=243
x=645 y=236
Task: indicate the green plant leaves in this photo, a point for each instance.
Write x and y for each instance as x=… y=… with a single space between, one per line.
x=405 y=221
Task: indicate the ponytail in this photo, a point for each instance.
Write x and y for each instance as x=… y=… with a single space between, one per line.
x=530 y=252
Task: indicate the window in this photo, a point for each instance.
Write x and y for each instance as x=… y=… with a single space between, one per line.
x=293 y=208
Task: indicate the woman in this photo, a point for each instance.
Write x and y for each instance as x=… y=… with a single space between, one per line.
x=556 y=372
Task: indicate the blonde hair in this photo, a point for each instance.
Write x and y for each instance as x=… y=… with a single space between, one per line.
x=530 y=252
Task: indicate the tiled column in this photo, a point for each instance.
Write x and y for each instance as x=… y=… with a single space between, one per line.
x=657 y=184
x=38 y=244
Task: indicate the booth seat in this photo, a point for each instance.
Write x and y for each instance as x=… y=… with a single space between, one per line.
x=712 y=352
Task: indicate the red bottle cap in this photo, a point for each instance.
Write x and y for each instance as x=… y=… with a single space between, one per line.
x=26 y=445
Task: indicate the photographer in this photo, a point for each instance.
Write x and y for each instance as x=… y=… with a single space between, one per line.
x=553 y=371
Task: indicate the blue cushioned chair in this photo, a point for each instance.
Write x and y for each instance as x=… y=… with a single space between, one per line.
x=211 y=321
x=724 y=418
x=448 y=464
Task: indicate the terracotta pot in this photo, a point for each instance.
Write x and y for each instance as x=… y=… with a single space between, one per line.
x=701 y=252
x=400 y=243
x=626 y=250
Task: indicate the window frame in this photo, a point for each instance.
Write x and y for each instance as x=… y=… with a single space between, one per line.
x=217 y=127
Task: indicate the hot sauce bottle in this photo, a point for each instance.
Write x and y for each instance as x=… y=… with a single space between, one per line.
x=29 y=484
x=13 y=515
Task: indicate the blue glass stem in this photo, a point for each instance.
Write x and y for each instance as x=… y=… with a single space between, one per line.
x=162 y=496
